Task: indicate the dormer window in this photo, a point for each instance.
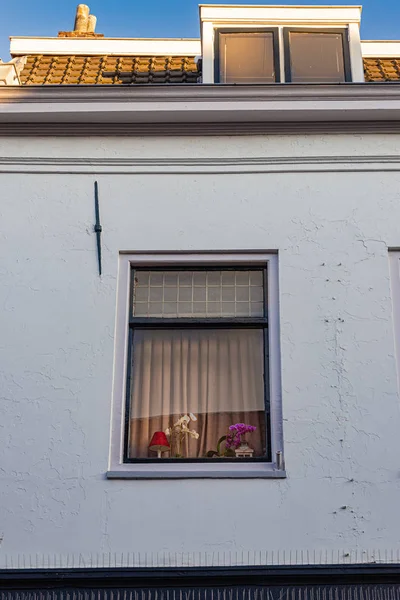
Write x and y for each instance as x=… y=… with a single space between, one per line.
x=281 y=44
x=247 y=56
x=316 y=56
x=308 y=55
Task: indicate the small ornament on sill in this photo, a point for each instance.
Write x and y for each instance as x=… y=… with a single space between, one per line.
x=244 y=451
x=159 y=443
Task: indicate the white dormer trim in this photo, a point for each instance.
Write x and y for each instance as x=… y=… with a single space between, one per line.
x=380 y=49
x=20 y=46
x=214 y=17
x=280 y=14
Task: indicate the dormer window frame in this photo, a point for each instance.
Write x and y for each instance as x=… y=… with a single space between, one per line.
x=287 y=62
x=238 y=30
x=281 y=48
x=218 y=18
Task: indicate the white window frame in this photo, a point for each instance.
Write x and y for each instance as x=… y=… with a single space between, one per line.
x=117 y=468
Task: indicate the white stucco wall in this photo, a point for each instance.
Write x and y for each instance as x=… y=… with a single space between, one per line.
x=332 y=228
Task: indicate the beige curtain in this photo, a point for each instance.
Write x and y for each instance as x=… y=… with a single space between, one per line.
x=216 y=374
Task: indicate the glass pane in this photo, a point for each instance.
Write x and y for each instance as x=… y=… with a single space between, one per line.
x=246 y=57
x=172 y=294
x=316 y=57
x=216 y=375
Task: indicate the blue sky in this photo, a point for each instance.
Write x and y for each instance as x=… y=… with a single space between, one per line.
x=156 y=18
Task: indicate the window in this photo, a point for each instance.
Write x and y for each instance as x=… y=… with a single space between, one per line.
x=313 y=56
x=197 y=348
x=308 y=55
x=247 y=56
x=194 y=362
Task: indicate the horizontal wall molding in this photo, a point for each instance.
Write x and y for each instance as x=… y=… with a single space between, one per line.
x=378 y=559
x=238 y=165
x=41 y=129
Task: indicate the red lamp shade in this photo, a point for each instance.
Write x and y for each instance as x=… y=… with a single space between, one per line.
x=159 y=442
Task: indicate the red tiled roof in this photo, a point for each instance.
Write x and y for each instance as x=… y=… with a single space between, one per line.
x=63 y=70
x=382 y=69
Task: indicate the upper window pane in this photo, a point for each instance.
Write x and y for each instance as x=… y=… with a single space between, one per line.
x=173 y=294
x=316 y=57
x=246 y=57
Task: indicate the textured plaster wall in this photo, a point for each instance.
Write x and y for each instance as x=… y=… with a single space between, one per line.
x=57 y=318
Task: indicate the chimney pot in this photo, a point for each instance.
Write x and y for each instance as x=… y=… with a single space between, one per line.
x=91 y=24
x=81 y=18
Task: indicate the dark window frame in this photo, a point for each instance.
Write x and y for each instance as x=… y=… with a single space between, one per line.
x=197 y=323
x=276 y=53
x=345 y=45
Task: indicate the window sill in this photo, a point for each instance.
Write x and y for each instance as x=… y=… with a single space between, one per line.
x=245 y=471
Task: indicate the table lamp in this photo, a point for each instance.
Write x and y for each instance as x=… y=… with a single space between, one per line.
x=159 y=443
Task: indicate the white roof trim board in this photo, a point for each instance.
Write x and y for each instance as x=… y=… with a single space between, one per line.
x=380 y=49
x=20 y=46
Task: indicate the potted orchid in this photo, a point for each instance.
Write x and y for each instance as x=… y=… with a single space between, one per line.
x=234 y=439
x=180 y=431
x=236 y=436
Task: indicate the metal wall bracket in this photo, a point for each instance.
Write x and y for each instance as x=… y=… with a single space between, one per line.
x=97 y=227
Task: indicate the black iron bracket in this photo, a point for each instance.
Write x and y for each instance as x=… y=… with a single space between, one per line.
x=97 y=227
